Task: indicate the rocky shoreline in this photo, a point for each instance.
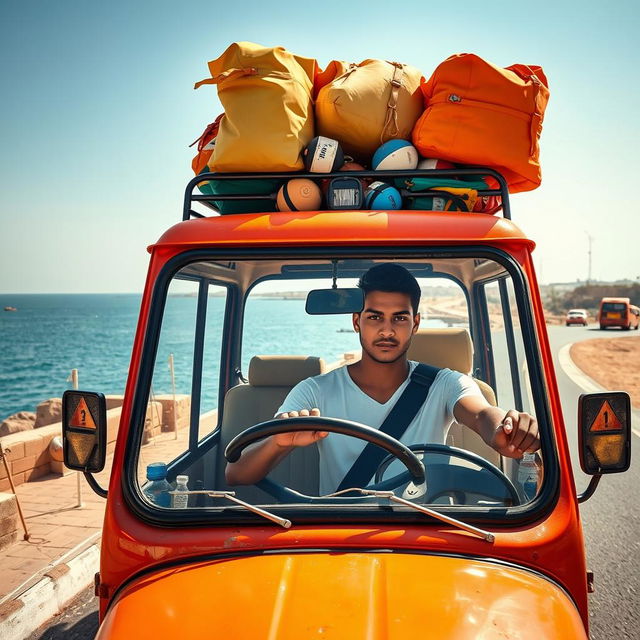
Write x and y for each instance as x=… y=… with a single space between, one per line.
x=46 y=413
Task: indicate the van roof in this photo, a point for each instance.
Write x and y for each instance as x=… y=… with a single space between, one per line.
x=353 y=228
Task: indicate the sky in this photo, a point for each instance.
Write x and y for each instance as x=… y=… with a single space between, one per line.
x=98 y=110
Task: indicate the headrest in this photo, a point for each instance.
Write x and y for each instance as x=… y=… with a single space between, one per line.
x=449 y=348
x=283 y=371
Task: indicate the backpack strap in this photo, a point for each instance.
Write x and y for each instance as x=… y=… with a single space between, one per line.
x=395 y=424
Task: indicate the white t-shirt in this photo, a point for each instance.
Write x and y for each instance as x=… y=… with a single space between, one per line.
x=336 y=395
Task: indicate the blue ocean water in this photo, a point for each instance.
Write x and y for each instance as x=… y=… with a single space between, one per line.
x=51 y=334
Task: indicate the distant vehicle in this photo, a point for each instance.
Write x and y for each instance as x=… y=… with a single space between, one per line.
x=577 y=316
x=618 y=312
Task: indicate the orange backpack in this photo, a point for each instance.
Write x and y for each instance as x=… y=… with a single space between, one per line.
x=479 y=114
x=206 y=144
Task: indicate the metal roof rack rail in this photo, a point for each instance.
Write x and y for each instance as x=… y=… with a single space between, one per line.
x=208 y=200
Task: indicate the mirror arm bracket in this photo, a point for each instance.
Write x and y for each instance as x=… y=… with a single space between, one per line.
x=94 y=485
x=591 y=489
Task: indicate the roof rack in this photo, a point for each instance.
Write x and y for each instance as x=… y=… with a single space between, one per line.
x=208 y=200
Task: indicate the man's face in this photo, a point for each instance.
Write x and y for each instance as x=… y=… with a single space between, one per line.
x=386 y=325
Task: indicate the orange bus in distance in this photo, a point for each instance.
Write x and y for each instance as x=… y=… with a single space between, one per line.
x=618 y=312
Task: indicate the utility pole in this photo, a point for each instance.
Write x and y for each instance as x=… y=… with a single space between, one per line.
x=590 y=238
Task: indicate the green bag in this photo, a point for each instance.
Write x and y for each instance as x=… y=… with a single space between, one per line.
x=244 y=187
x=457 y=195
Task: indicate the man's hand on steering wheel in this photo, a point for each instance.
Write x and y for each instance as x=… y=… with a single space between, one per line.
x=299 y=438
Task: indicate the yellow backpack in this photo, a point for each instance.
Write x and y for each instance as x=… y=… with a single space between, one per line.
x=267 y=97
x=363 y=105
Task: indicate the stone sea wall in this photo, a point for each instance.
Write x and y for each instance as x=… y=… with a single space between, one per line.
x=28 y=452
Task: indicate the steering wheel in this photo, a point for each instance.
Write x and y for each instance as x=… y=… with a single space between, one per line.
x=414 y=467
x=450 y=479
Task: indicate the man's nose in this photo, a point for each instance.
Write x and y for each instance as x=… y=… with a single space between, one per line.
x=387 y=328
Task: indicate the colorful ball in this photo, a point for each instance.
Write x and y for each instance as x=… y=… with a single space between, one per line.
x=323 y=155
x=299 y=194
x=380 y=195
x=395 y=155
x=434 y=163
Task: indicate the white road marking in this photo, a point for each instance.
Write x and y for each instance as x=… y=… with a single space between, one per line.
x=582 y=379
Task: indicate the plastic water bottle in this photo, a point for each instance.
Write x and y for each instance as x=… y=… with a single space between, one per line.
x=528 y=475
x=181 y=500
x=157 y=489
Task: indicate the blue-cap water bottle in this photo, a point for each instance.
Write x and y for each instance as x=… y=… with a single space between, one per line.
x=157 y=489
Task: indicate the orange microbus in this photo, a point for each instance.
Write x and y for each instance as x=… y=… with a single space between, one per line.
x=618 y=312
x=446 y=539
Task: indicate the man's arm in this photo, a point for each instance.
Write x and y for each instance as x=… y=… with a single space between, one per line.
x=257 y=460
x=511 y=433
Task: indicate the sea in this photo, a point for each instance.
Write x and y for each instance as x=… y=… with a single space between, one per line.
x=50 y=334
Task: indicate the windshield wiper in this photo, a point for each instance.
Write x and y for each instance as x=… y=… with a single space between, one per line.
x=485 y=535
x=231 y=495
x=283 y=522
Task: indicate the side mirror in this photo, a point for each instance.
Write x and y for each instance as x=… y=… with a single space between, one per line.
x=604 y=437
x=328 y=301
x=84 y=430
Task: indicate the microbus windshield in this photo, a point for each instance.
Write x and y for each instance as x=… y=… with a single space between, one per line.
x=231 y=338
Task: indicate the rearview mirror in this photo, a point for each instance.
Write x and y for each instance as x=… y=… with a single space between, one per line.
x=604 y=423
x=328 y=301
x=84 y=430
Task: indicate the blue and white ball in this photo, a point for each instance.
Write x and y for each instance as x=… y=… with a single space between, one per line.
x=395 y=155
x=381 y=196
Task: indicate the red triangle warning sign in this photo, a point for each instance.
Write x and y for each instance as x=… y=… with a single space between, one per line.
x=606 y=420
x=82 y=416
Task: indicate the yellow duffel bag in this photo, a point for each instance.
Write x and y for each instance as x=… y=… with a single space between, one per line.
x=267 y=97
x=363 y=105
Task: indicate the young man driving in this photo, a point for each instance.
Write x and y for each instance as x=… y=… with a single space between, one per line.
x=367 y=390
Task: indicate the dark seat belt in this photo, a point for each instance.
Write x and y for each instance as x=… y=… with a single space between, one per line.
x=395 y=424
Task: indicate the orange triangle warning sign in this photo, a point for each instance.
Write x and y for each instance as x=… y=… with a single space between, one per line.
x=606 y=420
x=82 y=416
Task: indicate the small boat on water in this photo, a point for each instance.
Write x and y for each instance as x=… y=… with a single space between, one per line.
x=10 y=309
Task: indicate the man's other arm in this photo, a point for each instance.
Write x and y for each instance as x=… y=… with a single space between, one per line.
x=511 y=433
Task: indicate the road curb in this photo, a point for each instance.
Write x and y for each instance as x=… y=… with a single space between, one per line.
x=589 y=385
x=22 y=615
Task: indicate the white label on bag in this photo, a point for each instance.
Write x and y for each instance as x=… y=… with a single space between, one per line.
x=438 y=204
x=346 y=198
x=324 y=155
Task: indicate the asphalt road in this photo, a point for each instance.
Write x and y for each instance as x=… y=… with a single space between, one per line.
x=611 y=517
x=611 y=522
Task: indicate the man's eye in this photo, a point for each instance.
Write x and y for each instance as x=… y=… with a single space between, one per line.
x=373 y=317
x=401 y=318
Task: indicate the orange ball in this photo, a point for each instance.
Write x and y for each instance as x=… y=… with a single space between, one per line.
x=299 y=194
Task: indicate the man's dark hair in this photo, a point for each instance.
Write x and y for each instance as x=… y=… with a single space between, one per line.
x=391 y=278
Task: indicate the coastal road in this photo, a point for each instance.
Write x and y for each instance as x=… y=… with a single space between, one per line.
x=611 y=521
x=611 y=517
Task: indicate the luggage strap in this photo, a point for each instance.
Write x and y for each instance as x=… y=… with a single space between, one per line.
x=395 y=424
x=390 y=129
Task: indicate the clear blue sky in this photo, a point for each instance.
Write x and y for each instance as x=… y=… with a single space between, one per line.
x=98 y=110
